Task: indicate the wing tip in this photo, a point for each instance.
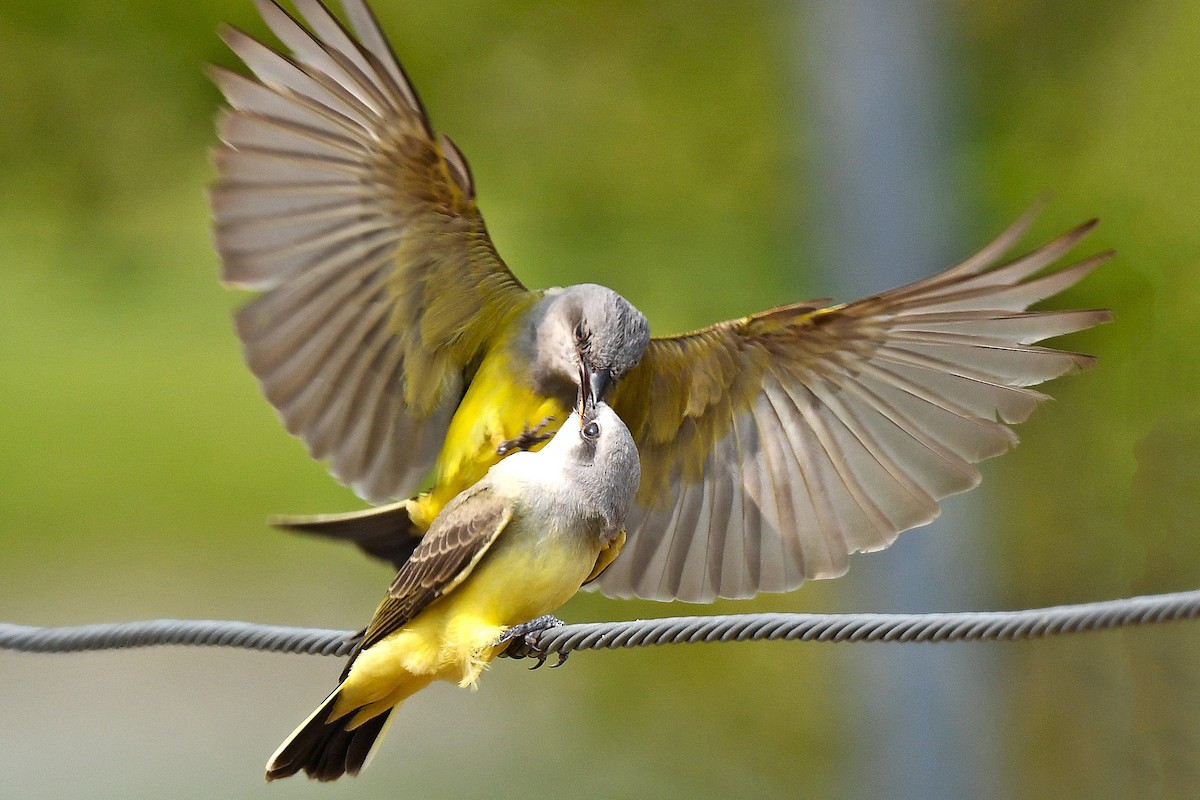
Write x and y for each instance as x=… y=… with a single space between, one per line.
x=232 y=36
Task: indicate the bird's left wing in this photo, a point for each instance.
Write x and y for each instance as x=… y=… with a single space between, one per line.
x=381 y=287
x=456 y=541
x=775 y=445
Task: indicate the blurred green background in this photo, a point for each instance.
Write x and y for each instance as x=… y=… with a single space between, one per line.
x=663 y=149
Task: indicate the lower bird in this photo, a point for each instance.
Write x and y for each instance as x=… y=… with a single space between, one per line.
x=500 y=556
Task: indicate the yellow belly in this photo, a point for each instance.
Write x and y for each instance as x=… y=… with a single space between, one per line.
x=527 y=573
x=499 y=405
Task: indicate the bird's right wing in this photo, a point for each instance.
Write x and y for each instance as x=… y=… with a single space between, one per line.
x=380 y=285
x=456 y=541
x=774 y=445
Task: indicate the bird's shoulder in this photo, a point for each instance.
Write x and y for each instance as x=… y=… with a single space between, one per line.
x=454 y=544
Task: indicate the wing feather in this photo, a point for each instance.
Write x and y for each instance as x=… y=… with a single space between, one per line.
x=756 y=529
x=874 y=474
x=776 y=494
x=741 y=523
x=336 y=199
x=777 y=444
x=454 y=544
x=677 y=547
x=276 y=71
x=720 y=480
x=351 y=397
x=250 y=96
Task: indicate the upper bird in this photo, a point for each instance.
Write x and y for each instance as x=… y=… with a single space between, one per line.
x=393 y=339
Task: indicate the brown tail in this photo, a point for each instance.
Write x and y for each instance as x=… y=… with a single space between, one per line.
x=385 y=532
x=327 y=750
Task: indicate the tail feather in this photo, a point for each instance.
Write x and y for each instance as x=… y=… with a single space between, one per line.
x=386 y=532
x=326 y=750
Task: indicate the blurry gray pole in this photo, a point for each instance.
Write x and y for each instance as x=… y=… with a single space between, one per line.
x=879 y=104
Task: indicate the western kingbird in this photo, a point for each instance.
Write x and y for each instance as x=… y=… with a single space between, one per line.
x=392 y=338
x=508 y=550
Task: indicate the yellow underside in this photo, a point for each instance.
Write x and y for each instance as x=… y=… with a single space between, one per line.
x=498 y=406
x=525 y=575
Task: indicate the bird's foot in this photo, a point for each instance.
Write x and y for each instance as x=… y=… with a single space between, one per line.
x=527 y=438
x=523 y=640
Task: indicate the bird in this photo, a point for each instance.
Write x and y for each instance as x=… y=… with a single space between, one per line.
x=392 y=339
x=497 y=560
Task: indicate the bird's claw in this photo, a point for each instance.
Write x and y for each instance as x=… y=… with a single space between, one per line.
x=523 y=641
x=527 y=438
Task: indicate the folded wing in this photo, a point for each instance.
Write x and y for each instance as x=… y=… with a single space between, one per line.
x=775 y=445
x=447 y=554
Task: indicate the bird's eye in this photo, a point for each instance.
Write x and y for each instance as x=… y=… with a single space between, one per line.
x=580 y=332
x=591 y=430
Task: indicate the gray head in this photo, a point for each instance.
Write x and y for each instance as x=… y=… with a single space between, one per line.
x=590 y=321
x=598 y=458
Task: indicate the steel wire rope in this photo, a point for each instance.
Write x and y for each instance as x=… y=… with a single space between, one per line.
x=931 y=627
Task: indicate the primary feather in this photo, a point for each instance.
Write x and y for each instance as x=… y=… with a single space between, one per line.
x=380 y=283
x=775 y=445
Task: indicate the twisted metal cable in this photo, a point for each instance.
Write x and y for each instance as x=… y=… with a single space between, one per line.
x=198 y=632
x=937 y=627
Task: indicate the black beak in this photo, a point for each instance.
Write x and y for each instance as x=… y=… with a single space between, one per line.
x=600 y=380
x=587 y=394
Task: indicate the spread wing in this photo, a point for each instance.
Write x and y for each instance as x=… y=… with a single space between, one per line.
x=775 y=445
x=380 y=285
x=456 y=541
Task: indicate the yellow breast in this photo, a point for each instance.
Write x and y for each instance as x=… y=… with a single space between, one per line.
x=500 y=403
x=530 y=571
